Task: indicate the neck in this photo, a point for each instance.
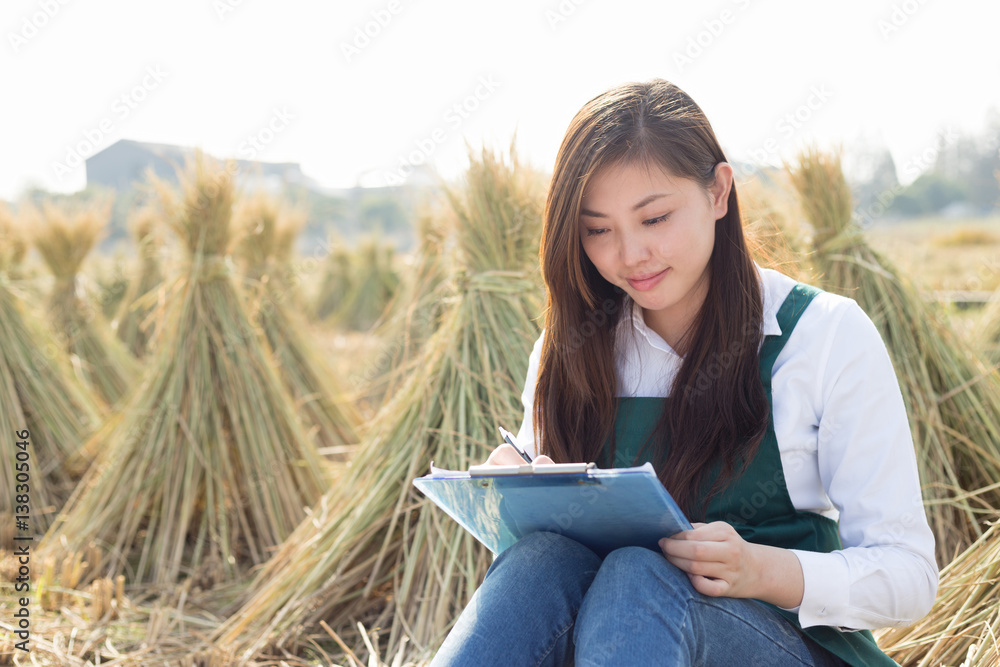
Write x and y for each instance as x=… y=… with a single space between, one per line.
x=674 y=324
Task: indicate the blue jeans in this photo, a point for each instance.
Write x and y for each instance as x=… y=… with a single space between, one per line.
x=549 y=600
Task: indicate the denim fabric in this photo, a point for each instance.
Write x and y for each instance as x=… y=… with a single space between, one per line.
x=548 y=600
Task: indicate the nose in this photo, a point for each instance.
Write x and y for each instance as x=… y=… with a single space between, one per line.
x=632 y=250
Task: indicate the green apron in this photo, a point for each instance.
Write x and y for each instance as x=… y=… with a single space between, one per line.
x=757 y=502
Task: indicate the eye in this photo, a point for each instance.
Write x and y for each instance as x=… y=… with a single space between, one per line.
x=595 y=232
x=656 y=220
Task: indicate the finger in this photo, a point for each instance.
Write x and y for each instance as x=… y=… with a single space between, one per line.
x=701 y=551
x=716 y=531
x=708 y=585
x=542 y=459
x=505 y=455
x=701 y=568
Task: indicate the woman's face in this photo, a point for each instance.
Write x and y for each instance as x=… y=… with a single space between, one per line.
x=652 y=234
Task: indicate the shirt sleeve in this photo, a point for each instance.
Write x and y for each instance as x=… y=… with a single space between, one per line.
x=885 y=574
x=526 y=435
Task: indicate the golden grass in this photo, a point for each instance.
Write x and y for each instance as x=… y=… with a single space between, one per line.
x=931 y=266
x=966 y=236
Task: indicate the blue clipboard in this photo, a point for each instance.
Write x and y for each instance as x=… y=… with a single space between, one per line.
x=604 y=509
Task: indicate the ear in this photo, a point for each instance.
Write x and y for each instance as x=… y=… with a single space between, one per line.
x=719 y=190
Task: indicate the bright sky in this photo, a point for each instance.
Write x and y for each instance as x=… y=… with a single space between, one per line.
x=308 y=85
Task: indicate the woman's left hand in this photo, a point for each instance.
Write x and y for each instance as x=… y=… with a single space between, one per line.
x=715 y=557
x=721 y=563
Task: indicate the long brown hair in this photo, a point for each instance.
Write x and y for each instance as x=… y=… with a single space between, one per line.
x=717 y=412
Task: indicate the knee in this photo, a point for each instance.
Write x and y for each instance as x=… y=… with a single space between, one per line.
x=640 y=568
x=549 y=557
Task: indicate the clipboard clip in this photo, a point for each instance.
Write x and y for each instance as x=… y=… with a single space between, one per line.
x=484 y=470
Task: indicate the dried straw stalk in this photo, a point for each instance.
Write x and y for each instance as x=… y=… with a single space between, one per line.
x=953 y=398
x=64 y=238
x=963 y=627
x=208 y=467
x=374 y=548
x=326 y=412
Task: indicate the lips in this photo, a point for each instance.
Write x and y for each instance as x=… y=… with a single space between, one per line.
x=648 y=282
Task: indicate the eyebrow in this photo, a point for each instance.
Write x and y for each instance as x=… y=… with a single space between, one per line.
x=636 y=207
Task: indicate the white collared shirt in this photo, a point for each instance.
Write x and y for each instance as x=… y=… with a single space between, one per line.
x=846 y=451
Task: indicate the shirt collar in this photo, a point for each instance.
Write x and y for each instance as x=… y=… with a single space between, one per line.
x=770 y=324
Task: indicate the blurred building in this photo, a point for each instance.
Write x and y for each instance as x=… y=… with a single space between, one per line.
x=124 y=163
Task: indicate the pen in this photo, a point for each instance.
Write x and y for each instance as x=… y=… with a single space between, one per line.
x=509 y=437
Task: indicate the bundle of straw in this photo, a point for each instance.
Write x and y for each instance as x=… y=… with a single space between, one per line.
x=208 y=467
x=290 y=224
x=13 y=245
x=415 y=310
x=953 y=398
x=963 y=627
x=135 y=323
x=989 y=330
x=111 y=278
x=64 y=238
x=371 y=281
x=776 y=241
x=337 y=279
x=374 y=547
x=329 y=416
x=37 y=395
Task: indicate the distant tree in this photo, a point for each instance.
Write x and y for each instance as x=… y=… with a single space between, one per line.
x=972 y=160
x=873 y=179
x=927 y=195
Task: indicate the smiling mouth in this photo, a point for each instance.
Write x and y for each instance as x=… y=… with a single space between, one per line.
x=646 y=282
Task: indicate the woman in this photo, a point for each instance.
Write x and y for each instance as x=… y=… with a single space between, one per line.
x=769 y=409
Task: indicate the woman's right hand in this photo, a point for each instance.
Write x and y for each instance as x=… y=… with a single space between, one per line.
x=506 y=455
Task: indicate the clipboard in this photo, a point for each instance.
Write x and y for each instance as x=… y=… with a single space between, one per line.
x=603 y=509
